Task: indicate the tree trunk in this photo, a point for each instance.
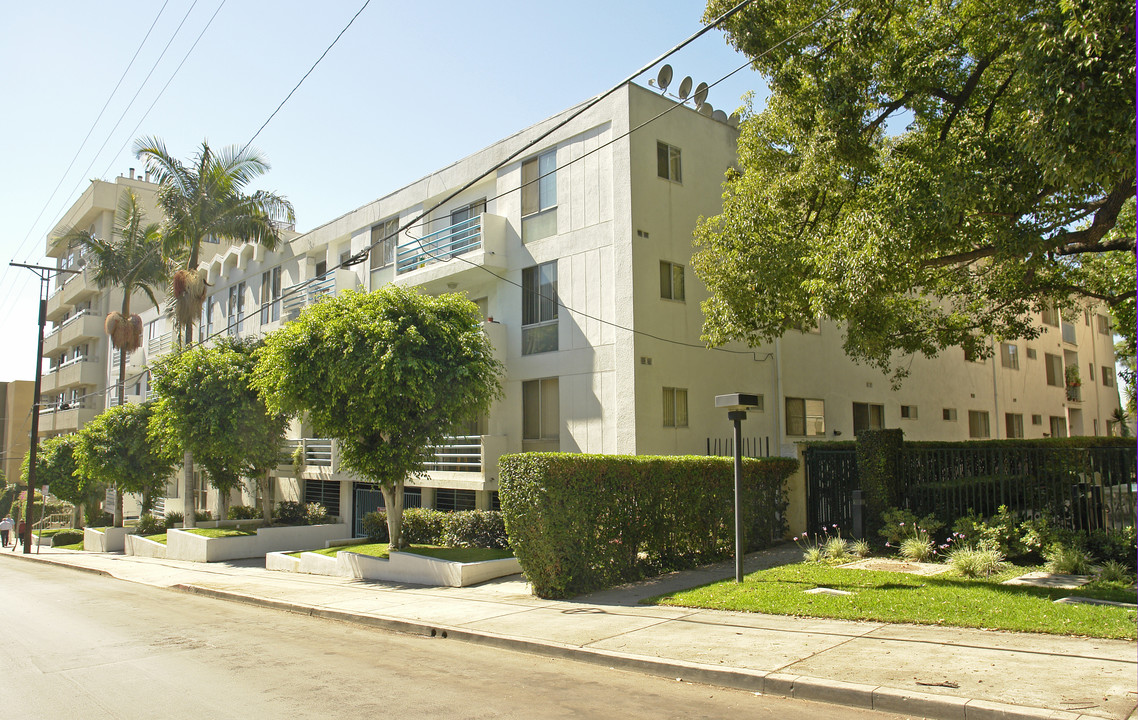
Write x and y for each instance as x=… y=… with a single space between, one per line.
x=266 y=500
x=118 y=508
x=393 y=501
x=223 y=502
x=190 y=504
x=77 y=516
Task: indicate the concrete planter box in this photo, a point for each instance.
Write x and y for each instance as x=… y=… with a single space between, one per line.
x=183 y=545
x=282 y=561
x=110 y=539
x=403 y=567
x=141 y=547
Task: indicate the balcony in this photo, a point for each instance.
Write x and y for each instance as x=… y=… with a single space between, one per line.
x=479 y=242
x=66 y=418
x=1074 y=393
x=470 y=458
x=78 y=329
x=297 y=297
x=159 y=345
x=320 y=454
x=73 y=373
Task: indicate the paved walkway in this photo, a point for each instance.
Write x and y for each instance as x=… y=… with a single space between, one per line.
x=949 y=673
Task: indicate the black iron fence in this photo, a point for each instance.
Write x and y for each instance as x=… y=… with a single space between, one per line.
x=753 y=447
x=1085 y=488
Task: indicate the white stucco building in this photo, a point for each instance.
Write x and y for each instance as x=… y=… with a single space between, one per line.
x=600 y=214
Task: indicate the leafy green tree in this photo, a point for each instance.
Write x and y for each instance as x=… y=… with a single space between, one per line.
x=388 y=374
x=927 y=173
x=56 y=468
x=116 y=449
x=206 y=199
x=206 y=404
x=131 y=259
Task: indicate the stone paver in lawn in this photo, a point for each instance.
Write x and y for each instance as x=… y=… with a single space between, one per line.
x=1050 y=580
x=901 y=566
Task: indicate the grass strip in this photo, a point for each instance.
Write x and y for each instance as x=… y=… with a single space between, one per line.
x=947 y=600
x=159 y=538
x=220 y=532
x=382 y=550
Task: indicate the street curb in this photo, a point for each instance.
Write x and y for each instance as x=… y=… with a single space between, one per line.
x=31 y=557
x=835 y=692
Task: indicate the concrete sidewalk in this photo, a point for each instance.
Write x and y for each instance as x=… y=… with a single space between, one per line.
x=922 y=671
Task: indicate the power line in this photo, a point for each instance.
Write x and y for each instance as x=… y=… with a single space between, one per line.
x=305 y=77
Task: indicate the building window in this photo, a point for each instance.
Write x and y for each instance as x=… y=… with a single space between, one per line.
x=412 y=497
x=450 y=500
x=495 y=502
x=671 y=281
x=978 y=424
x=325 y=492
x=1054 y=366
x=949 y=414
x=1104 y=324
x=668 y=162
x=539 y=197
x=539 y=308
x=271 y=296
x=1058 y=427
x=236 y=309
x=909 y=412
x=1050 y=316
x=205 y=325
x=1107 y=376
x=1031 y=354
x=805 y=417
x=1009 y=356
x=382 y=244
x=1036 y=419
x=541 y=411
x=1013 y=425
x=867 y=416
x=675 y=407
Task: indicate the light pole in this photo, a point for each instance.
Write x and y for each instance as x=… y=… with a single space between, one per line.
x=45 y=274
x=737 y=405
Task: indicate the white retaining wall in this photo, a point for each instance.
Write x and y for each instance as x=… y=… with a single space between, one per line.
x=110 y=539
x=183 y=545
x=141 y=547
x=405 y=567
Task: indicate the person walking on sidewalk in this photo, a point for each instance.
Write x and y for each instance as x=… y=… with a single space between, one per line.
x=6 y=526
x=19 y=535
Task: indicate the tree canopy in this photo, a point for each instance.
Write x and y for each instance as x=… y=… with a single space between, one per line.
x=206 y=404
x=927 y=173
x=116 y=449
x=387 y=373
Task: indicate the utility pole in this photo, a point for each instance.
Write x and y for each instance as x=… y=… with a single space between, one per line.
x=45 y=275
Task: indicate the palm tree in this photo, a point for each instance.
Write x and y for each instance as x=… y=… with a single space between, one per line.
x=130 y=259
x=1121 y=420
x=206 y=200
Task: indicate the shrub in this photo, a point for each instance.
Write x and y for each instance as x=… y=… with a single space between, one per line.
x=290 y=512
x=150 y=525
x=825 y=547
x=918 y=548
x=1114 y=571
x=836 y=549
x=375 y=526
x=315 y=514
x=203 y=515
x=899 y=523
x=1120 y=546
x=174 y=519
x=860 y=548
x=98 y=518
x=1068 y=560
x=242 y=512
x=66 y=537
x=971 y=561
x=475 y=528
x=578 y=523
x=424 y=525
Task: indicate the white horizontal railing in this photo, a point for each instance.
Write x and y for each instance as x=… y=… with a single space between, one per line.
x=161 y=344
x=461 y=453
x=317 y=451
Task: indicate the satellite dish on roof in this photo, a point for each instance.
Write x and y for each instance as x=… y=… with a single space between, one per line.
x=700 y=95
x=733 y=120
x=685 y=87
x=705 y=109
x=664 y=78
x=719 y=115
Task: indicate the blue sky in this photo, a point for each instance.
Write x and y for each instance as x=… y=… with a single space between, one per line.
x=401 y=94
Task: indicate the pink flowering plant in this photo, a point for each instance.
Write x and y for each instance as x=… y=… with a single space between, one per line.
x=829 y=546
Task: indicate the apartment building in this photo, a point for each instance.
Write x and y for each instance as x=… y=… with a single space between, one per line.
x=599 y=215
x=15 y=425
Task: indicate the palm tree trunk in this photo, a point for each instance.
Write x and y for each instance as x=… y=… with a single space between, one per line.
x=122 y=352
x=188 y=519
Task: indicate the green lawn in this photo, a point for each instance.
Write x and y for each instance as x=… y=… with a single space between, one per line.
x=381 y=550
x=220 y=532
x=73 y=546
x=945 y=599
x=159 y=538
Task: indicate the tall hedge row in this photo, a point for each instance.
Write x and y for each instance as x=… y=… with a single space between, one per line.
x=579 y=523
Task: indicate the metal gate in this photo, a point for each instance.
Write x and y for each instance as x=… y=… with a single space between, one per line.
x=831 y=478
x=368 y=499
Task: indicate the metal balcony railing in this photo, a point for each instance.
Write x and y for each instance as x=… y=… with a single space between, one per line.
x=301 y=295
x=462 y=453
x=440 y=246
x=161 y=344
x=317 y=451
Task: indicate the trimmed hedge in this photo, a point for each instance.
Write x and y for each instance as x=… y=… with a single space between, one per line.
x=66 y=537
x=579 y=523
x=464 y=528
